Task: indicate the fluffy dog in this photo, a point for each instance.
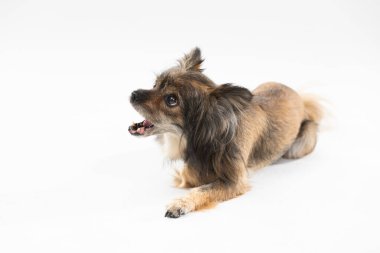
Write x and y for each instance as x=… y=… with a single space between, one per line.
x=221 y=130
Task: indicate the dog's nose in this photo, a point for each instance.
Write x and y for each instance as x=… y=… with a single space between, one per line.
x=134 y=96
x=139 y=96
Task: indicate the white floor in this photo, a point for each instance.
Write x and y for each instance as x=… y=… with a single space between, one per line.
x=73 y=180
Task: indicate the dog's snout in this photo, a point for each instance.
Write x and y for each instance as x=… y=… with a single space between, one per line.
x=139 y=96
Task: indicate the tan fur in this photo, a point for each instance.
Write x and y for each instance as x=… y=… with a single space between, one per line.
x=188 y=178
x=313 y=109
x=207 y=196
x=305 y=142
x=307 y=135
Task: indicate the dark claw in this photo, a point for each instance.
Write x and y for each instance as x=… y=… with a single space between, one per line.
x=170 y=215
x=176 y=214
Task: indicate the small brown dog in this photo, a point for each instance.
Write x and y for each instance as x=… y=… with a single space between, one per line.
x=221 y=130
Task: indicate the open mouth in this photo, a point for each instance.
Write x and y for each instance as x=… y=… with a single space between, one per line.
x=140 y=128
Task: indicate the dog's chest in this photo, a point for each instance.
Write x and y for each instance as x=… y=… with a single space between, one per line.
x=173 y=146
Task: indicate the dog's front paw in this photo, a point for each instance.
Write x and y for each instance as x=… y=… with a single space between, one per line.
x=178 y=208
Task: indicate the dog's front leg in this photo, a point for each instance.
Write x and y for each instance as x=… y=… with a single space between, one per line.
x=204 y=196
x=188 y=177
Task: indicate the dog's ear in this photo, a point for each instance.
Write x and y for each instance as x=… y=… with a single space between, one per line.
x=191 y=61
x=232 y=96
x=211 y=125
x=226 y=104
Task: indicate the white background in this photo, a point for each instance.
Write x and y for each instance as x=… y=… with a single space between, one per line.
x=73 y=180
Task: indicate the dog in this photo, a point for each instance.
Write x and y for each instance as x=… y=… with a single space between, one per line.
x=220 y=131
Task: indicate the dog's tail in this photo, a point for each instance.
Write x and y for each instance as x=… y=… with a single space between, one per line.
x=313 y=109
x=306 y=140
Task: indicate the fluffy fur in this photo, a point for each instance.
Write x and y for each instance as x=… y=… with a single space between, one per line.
x=222 y=130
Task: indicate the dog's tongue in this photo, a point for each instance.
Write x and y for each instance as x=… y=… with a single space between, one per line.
x=140 y=130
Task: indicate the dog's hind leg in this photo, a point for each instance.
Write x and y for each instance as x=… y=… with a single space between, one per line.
x=306 y=139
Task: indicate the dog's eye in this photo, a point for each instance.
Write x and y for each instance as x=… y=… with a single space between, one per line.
x=171 y=100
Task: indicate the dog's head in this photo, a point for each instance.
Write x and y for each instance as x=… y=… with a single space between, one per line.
x=163 y=105
x=184 y=100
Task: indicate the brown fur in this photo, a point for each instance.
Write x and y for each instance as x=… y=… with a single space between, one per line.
x=220 y=131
